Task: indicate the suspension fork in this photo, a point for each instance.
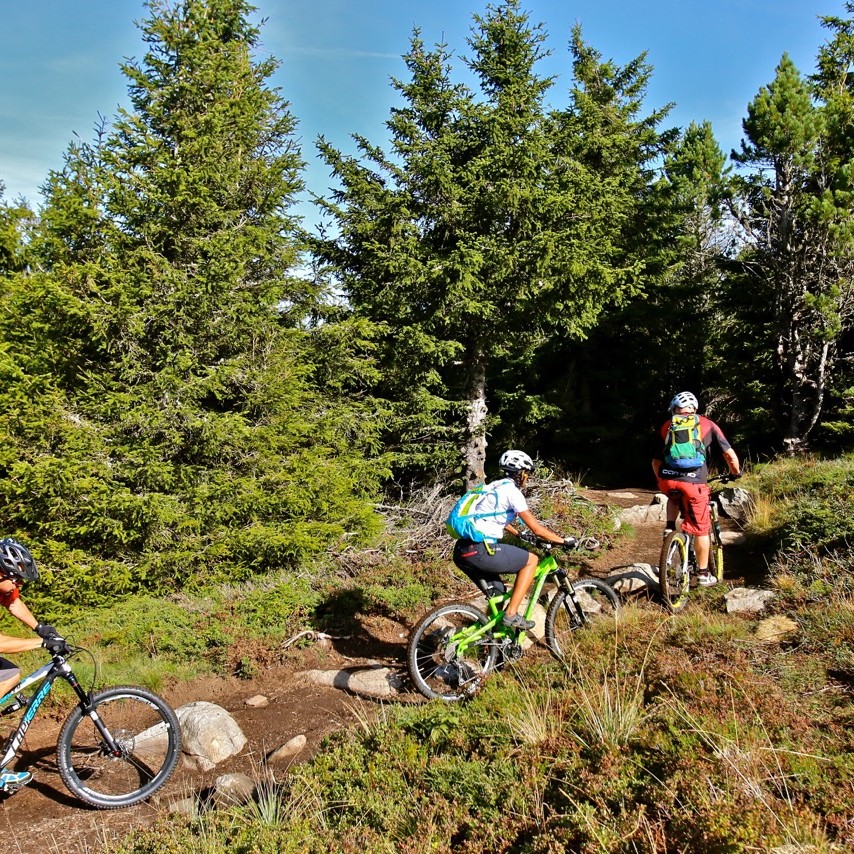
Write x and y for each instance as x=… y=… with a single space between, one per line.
x=566 y=585
x=88 y=709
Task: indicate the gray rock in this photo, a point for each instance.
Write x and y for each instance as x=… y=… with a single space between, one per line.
x=635 y=577
x=231 y=789
x=747 y=600
x=209 y=734
x=371 y=681
x=644 y=514
x=259 y=701
x=185 y=806
x=733 y=538
x=288 y=750
x=735 y=502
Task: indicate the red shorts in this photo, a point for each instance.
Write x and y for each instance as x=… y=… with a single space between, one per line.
x=693 y=501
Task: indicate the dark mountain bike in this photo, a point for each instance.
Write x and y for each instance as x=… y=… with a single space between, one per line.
x=455 y=646
x=117 y=747
x=678 y=562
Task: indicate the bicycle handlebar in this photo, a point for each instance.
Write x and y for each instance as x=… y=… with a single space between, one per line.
x=725 y=478
x=571 y=544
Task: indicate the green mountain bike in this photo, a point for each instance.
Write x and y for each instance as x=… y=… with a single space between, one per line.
x=454 y=647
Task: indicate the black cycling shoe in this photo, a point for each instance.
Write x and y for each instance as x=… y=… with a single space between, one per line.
x=517 y=621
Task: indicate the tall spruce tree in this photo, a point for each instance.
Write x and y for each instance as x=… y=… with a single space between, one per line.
x=193 y=445
x=494 y=224
x=795 y=204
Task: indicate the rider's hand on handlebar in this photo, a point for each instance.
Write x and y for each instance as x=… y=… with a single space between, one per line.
x=570 y=543
x=45 y=630
x=56 y=645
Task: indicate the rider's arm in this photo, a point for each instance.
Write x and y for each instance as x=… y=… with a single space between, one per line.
x=539 y=530
x=656 y=468
x=10 y=644
x=731 y=459
x=22 y=612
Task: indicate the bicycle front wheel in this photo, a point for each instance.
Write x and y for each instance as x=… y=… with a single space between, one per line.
x=597 y=602
x=147 y=745
x=673 y=576
x=443 y=658
x=716 y=559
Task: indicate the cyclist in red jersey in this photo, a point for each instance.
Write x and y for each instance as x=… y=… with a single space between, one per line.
x=688 y=486
x=16 y=567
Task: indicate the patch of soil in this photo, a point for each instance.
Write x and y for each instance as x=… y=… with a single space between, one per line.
x=45 y=817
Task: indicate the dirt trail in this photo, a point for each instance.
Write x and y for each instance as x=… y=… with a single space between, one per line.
x=44 y=817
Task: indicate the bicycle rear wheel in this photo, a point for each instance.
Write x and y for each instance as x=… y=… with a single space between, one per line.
x=438 y=667
x=673 y=576
x=147 y=736
x=598 y=602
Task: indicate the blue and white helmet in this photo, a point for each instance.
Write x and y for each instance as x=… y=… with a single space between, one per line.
x=515 y=461
x=683 y=399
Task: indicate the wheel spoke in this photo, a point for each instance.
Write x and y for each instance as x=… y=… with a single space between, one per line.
x=444 y=660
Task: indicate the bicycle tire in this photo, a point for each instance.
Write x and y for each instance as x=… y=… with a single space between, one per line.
x=435 y=667
x=716 y=559
x=674 y=580
x=716 y=551
x=599 y=602
x=148 y=734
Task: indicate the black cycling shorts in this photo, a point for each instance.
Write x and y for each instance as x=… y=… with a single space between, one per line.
x=8 y=669
x=483 y=563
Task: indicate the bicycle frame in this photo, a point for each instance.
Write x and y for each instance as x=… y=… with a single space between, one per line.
x=46 y=675
x=472 y=635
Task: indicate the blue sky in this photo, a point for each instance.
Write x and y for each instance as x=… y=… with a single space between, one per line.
x=59 y=62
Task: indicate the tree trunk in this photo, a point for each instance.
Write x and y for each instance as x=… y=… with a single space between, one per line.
x=474 y=451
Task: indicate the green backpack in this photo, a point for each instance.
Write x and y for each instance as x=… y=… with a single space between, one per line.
x=683 y=446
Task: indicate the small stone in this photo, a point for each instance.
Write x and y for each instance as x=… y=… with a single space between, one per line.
x=288 y=750
x=259 y=701
x=230 y=789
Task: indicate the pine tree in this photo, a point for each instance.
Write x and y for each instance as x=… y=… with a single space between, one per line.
x=493 y=224
x=194 y=443
x=795 y=206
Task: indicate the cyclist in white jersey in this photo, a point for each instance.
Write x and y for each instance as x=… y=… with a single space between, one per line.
x=484 y=562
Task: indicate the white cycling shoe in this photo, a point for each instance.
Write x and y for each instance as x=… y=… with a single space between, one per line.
x=706 y=579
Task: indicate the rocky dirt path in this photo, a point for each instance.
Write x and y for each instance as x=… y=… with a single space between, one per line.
x=44 y=817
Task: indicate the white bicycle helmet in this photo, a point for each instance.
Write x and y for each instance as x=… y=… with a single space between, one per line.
x=515 y=461
x=683 y=399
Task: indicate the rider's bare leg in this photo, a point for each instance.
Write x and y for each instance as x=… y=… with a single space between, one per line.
x=523 y=582
x=701 y=549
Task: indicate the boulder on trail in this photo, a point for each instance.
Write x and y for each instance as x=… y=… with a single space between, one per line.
x=209 y=735
x=644 y=514
x=636 y=576
x=735 y=503
x=372 y=680
x=747 y=600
